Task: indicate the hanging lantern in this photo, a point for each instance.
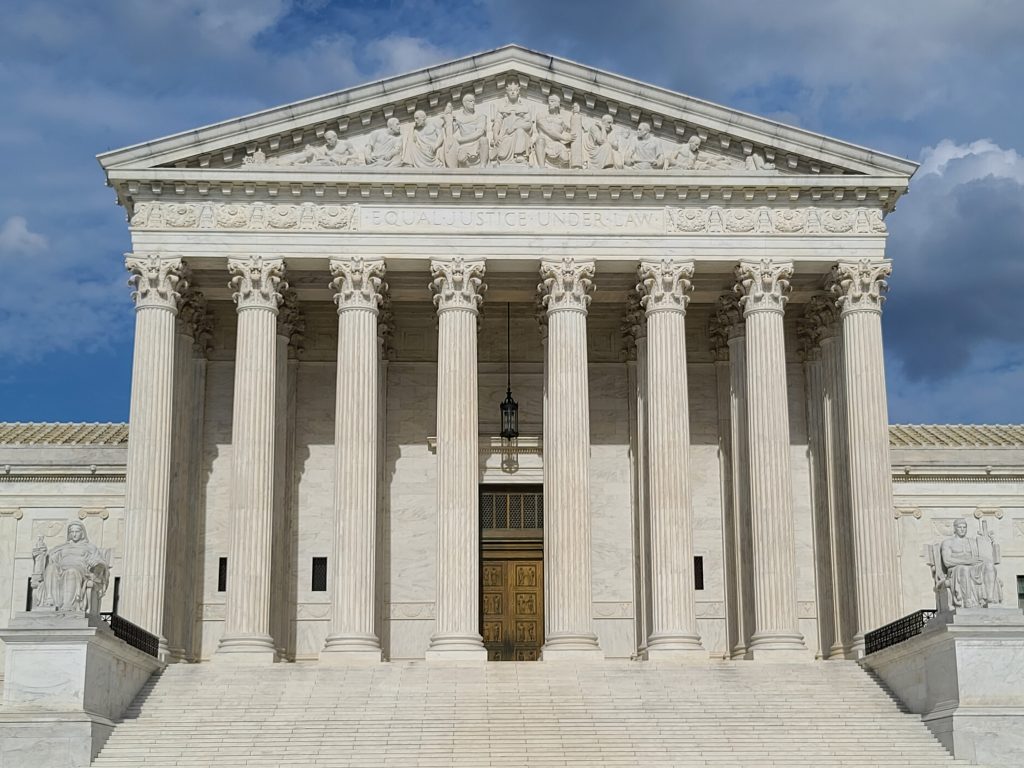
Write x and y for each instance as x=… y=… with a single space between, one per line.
x=509 y=407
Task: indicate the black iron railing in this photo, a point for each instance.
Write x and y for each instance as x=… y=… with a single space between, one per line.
x=897 y=631
x=133 y=634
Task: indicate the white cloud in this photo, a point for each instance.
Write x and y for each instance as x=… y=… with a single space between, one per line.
x=986 y=158
x=397 y=54
x=17 y=238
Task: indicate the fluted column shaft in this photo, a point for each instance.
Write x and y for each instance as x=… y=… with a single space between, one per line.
x=352 y=638
x=458 y=290
x=664 y=287
x=858 y=287
x=742 y=535
x=844 y=606
x=257 y=283
x=567 y=565
x=764 y=286
x=157 y=282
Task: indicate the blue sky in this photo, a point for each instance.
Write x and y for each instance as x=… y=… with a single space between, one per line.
x=938 y=81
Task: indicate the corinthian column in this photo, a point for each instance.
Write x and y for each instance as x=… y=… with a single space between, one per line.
x=739 y=547
x=257 y=283
x=357 y=284
x=458 y=290
x=664 y=286
x=157 y=282
x=567 y=590
x=763 y=286
x=858 y=288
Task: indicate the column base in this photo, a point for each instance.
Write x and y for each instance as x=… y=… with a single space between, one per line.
x=681 y=647
x=456 y=648
x=343 y=650
x=778 y=646
x=246 y=649
x=574 y=647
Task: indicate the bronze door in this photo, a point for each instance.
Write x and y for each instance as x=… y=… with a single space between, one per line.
x=513 y=605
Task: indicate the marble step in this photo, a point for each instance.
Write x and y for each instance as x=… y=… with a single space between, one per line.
x=614 y=714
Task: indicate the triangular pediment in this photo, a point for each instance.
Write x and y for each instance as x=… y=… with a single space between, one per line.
x=537 y=114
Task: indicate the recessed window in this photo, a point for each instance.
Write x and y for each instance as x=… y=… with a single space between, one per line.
x=222 y=574
x=117 y=593
x=698 y=572
x=319 y=581
x=1020 y=591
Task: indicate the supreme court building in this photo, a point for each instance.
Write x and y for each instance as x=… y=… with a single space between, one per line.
x=334 y=297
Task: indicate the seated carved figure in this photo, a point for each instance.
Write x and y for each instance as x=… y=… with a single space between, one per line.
x=965 y=570
x=72 y=576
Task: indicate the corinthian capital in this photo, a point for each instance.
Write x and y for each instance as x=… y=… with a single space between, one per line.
x=858 y=285
x=665 y=285
x=567 y=284
x=726 y=322
x=257 y=282
x=156 y=281
x=763 y=285
x=358 y=283
x=457 y=284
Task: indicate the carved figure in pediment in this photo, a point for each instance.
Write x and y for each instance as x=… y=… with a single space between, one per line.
x=512 y=129
x=423 y=148
x=465 y=135
x=384 y=149
x=685 y=156
x=555 y=134
x=601 y=144
x=334 y=152
x=646 y=152
x=72 y=576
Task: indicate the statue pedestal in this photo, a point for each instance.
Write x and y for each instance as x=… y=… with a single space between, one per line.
x=964 y=674
x=67 y=680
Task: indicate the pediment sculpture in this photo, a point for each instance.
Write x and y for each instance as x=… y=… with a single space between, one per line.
x=512 y=132
x=964 y=569
x=72 y=577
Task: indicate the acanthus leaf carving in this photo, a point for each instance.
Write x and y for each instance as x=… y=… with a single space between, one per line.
x=813 y=326
x=665 y=285
x=358 y=283
x=257 y=282
x=566 y=284
x=725 y=323
x=859 y=285
x=291 y=321
x=763 y=285
x=457 y=283
x=156 y=280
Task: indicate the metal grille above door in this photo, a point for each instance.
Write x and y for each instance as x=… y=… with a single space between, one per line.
x=511 y=508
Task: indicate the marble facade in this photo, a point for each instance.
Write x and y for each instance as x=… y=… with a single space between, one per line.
x=695 y=342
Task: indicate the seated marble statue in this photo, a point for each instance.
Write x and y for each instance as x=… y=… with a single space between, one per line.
x=334 y=152
x=71 y=577
x=555 y=135
x=465 y=135
x=966 y=567
x=601 y=145
x=384 y=149
x=646 y=153
x=423 y=149
x=686 y=157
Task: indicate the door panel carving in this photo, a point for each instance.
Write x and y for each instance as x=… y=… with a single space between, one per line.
x=513 y=606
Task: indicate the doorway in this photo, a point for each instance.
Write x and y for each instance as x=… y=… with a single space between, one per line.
x=512 y=571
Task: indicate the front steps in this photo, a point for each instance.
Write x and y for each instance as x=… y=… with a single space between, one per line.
x=604 y=714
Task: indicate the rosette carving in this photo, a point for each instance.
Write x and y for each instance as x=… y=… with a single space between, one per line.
x=763 y=285
x=358 y=283
x=156 y=280
x=665 y=285
x=457 y=284
x=859 y=285
x=567 y=284
x=257 y=282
